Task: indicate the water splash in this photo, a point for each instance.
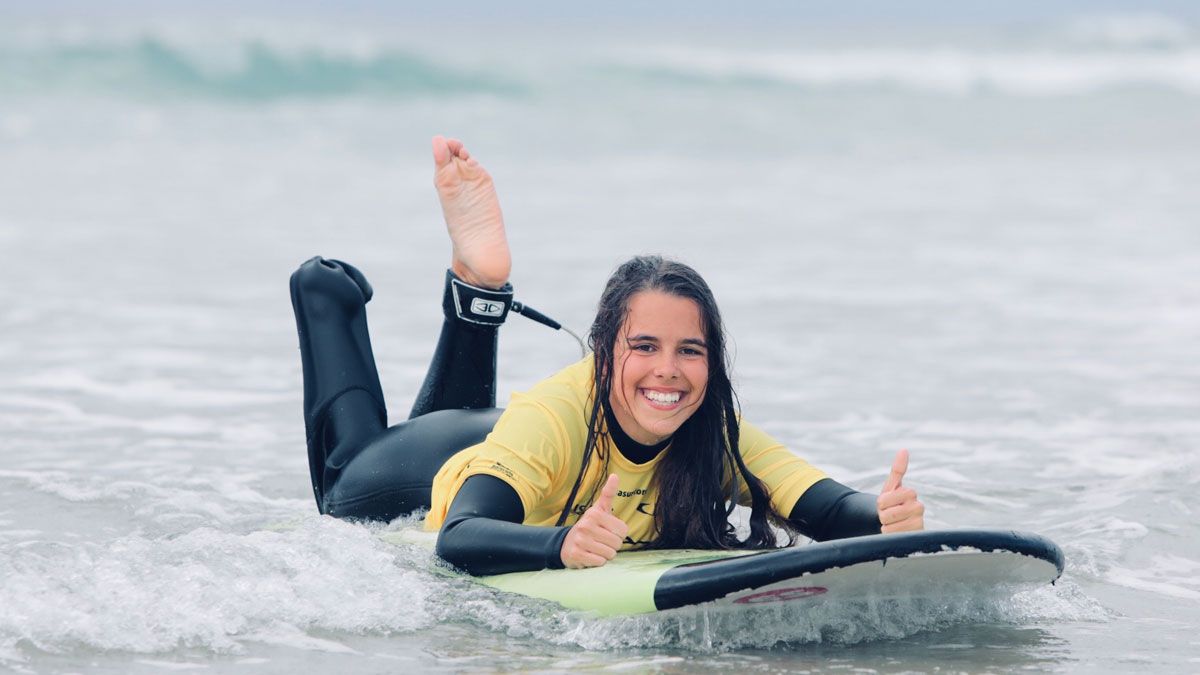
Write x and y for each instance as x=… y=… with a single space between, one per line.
x=206 y=589
x=716 y=630
x=306 y=585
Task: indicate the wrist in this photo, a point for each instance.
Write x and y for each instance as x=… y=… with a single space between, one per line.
x=554 y=553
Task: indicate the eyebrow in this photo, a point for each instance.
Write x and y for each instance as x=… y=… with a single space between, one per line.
x=650 y=338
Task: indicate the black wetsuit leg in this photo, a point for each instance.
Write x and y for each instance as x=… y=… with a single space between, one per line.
x=360 y=468
x=462 y=373
x=343 y=401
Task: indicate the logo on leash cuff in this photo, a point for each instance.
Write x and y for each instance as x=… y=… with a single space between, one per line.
x=486 y=307
x=477 y=305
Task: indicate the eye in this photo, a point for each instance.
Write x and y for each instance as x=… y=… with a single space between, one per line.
x=691 y=351
x=645 y=347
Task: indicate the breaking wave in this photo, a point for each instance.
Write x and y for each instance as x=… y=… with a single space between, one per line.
x=151 y=66
x=1083 y=56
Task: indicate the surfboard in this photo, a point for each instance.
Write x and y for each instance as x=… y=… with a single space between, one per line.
x=911 y=564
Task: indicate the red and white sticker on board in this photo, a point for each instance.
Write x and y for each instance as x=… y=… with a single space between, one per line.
x=781 y=595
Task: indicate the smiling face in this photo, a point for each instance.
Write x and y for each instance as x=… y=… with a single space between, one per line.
x=660 y=363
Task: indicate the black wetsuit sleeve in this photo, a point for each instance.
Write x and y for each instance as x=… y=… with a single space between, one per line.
x=830 y=510
x=483 y=533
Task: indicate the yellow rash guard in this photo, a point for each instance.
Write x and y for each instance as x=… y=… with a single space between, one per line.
x=537 y=448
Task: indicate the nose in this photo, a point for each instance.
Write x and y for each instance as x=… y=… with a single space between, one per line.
x=667 y=366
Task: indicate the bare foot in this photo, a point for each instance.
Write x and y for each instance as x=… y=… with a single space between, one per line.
x=472 y=213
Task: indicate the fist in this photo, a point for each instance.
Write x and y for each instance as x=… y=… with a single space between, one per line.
x=899 y=508
x=598 y=535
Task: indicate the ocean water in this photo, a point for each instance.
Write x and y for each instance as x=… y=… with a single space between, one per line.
x=979 y=242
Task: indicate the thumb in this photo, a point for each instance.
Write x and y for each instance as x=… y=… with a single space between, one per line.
x=899 y=466
x=607 y=493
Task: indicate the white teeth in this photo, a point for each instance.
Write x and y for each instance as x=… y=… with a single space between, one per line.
x=660 y=397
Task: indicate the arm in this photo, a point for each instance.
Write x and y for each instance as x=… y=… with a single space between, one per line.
x=822 y=508
x=483 y=533
x=830 y=510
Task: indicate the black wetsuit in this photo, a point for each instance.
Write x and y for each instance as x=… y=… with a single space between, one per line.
x=363 y=469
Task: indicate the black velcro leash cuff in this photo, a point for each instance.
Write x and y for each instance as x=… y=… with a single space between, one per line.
x=476 y=305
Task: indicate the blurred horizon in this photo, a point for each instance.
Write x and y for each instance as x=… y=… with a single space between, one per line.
x=681 y=11
x=185 y=52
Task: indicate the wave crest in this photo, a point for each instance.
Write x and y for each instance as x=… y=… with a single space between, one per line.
x=956 y=71
x=1087 y=56
x=257 y=71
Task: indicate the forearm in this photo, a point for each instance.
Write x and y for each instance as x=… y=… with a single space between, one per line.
x=830 y=510
x=483 y=533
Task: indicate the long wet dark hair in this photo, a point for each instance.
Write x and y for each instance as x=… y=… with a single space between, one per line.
x=692 y=509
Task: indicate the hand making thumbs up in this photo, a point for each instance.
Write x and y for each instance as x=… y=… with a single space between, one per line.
x=595 y=539
x=899 y=508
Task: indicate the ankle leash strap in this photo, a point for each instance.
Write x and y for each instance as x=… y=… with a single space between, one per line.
x=484 y=306
x=490 y=307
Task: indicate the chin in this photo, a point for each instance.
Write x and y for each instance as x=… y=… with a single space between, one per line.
x=664 y=429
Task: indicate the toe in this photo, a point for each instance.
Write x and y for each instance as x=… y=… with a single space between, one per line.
x=441 y=151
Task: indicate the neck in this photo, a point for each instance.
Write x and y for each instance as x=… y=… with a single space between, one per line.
x=638 y=453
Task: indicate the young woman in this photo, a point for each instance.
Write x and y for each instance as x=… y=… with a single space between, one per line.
x=638 y=445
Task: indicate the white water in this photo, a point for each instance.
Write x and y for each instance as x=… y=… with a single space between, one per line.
x=991 y=262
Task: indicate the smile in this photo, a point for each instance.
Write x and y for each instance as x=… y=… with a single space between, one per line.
x=662 y=400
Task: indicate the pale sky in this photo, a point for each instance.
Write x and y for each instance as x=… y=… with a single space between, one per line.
x=658 y=11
